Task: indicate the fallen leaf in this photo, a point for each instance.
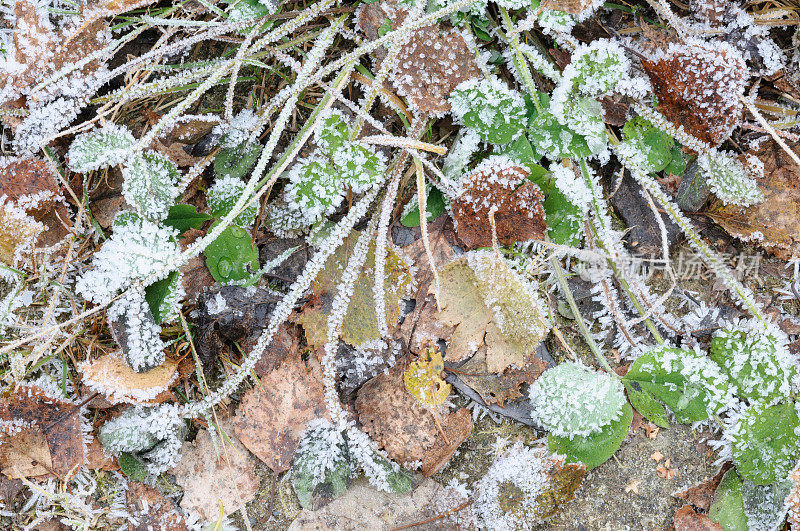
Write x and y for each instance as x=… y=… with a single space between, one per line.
x=657 y=456
x=273 y=415
x=698 y=86
x=793 y=500
x=568 y=6
x=111 y=376
x=285 y=345
x=97 y=458
x=423 y=378
x=30 y=183
x=364 y=507
x=702 y=494
x=405 y=428
x=519 y=213
x=151 y=510
x=360 y=325
x=214 y=483
x=686 y=519
x=775 y=223
x=497 y=388
x=633 y=486
x=47 y=427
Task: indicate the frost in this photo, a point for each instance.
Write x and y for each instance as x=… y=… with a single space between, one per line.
x=108 y=146
x=138 y=333
x=150 y=182
x=728 y=178
x=222 y=196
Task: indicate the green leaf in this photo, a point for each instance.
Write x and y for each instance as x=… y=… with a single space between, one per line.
x=597 y=68
x=357 y=166
x=132 y=467
x=314 y=188
x=385 y=28
x=595 y=449
x=236 y=162
x=727 y=509
x=150 y=182
x=333 y=484
x=232 y=255
x=557 y=141
x=434 y=205
x=765 y=444
x=162 y=297
x=563 y=217
x=655 y=144
x=677 y=164
x=520 y=150
x=97 y=149
x=689 y=383
x=184 y=217
x=764 y=504
x=223 y=195
x=643 y=402
x=728 y=179
x=490 y=108
x=332 y=132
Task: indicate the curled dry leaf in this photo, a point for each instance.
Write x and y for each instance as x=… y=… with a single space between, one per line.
x=775 y=223
x=405 y=428
x=212 y=481
x=702 y=495
x=519 y=213
x=273 y=415
x=111 y=376
x=152 y=510
x=686 y=519
x=39 y=435
x=698 y=86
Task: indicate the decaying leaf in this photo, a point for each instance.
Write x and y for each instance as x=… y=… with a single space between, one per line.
x=111 y=376
x=568 y=6
x=39 y=435
x=215 y=482
x=497 y=388
x=701 y=495
x=775 y=223
x=490 y=304
x=686 y=519
x=152 y=510
x=698 y=86
x=793 y=500
x=361 y=323
x=273 y=415
x=405 y=428
x=30 y=183
x=423 y=378
x=519 y=213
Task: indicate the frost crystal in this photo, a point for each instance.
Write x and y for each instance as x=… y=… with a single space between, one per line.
x=138 y=334
x=150 y=183
x=571 y=399
x=222 y=196
x=108 y=146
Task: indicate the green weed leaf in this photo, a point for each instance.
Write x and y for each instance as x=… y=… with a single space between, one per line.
x=490 y=108
x=162 y=297
x=232 y=256
x=594 y=450
x=434 y=205
x=150 y=183
x=236 y=162
x=184 y=217
x=727 y=509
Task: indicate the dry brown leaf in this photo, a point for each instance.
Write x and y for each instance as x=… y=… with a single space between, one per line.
x=686 y=519
x=49 y=427
x=698 y=86
x=777 y=218
x=519 y=212
x=152 y=511
x=273 y=415
x=112 y=377
x=210 y=480
x=97 y=458
x=702 y=495
x=497 y=388
x=403 y=427
x=22 y=178
x=568 y=6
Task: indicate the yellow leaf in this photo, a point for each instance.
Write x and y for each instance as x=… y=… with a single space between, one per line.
x=423 y=379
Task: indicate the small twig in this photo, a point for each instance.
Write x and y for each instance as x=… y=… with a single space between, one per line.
x=460 y=507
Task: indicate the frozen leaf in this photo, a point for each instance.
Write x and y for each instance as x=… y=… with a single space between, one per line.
x=111 y=376
x=572 y=400
x=698 y=86
x=430 y=65
x=774 y=224
x=357 y=167
x=97 y=149
x=654 y=144
x=235 y=162
x=273 y=415
x=689 y=383
x=498 y=184
x=555 y=140
x=434 y=206
x=423 y=378
x=150 y=183
x=313 y=190
x=361 y=323
x=687 y=520
x=765 y=505
x=490 y=304
x=727 y=508
x=31 y=183
x=490 y=108
x=525 y=487
x=597 y=68
x=163 y=297
x=333 y=131
x=152 y=510
x=728 y=179
x=232 y=256
x=765 y=442
x=214 y=481
x=136 y=332
x=224 y=194
x=594 y=450
x=405 y=428
x=40 y=434
x=184 y=217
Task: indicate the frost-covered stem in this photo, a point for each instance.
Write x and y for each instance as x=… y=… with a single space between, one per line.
x=585 y=332
x=237 y=65
x=417 y=128
x=771 y=130
x=608 y=247
x=522 y=63
x=284 y=308
x=423 y=226
x=339 y=306
x=706 y=253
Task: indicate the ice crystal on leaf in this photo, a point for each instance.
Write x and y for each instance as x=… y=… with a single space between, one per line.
x=728 y=178
x=223 y=194
x=571 y=399
x=108 y=146
x=756 y=360
x=490 y=108
x=313 y=189
x=357 y=167
x=333 y=131
x=597 y=68
x=150 y=183
x=136 y=331
x=137 y=249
